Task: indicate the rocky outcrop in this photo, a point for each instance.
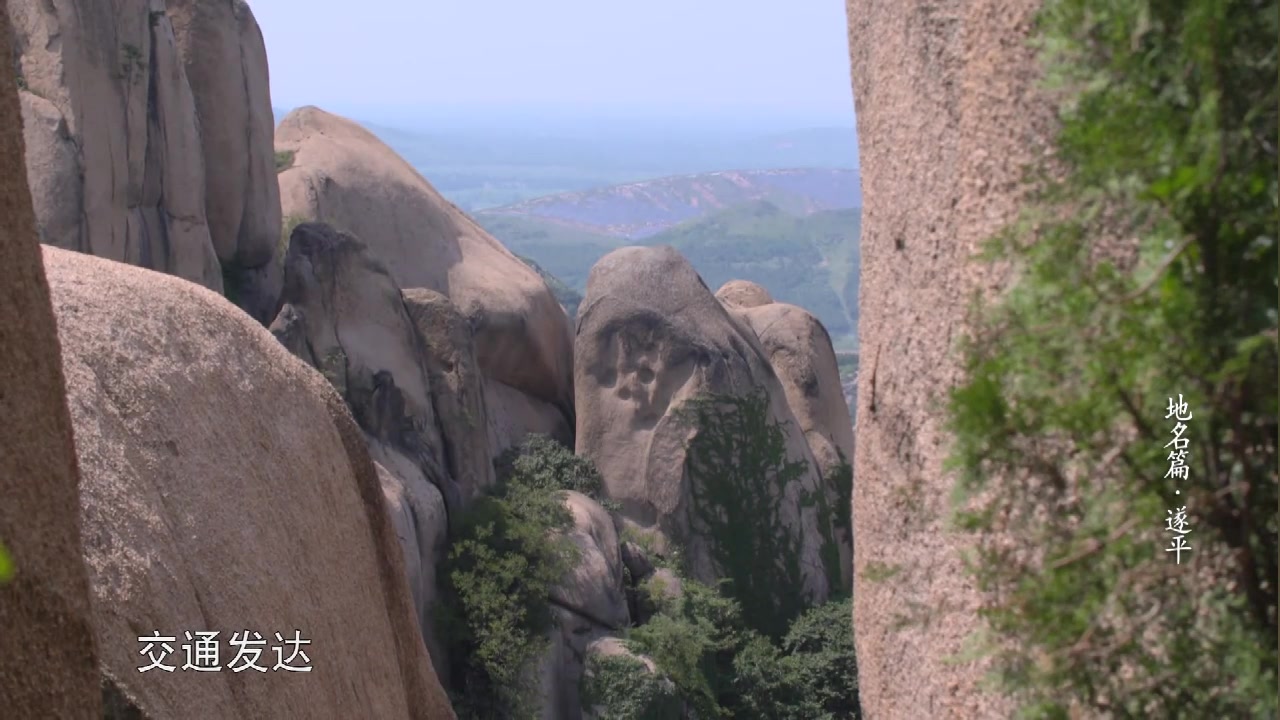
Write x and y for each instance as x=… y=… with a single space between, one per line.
x=225 y=488
x=149 y=138
x=457 y=388
x=588 y=604
x=593 y=588
x=513 y=416
x=343 y=175
x=800 y=352
x=421 y=523
x=48 y=662
x=652 y=337
x=948 y=115
x=344 y=315
x=225 y=61
x=743 y=294
x=113 y=136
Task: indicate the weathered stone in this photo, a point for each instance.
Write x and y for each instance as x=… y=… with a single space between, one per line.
x=651 y=337
x=225 y=61
x=48 y=659
x=743 y=294
x=345 y=176
x=949 y=116
x=225 y=488
x=113 y=138
x=457 y=388
x=800 y=352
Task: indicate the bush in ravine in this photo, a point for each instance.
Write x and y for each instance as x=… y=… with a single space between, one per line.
x=1062 y=425
x=722 y=668
x=621 y=687
x=498 y=576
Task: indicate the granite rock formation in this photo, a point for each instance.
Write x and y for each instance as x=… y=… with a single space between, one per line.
x=948 y=117
x=226 y=488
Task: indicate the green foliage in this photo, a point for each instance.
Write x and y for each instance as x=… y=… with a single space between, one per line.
x=132 y=66
x=499 y=573
x=810 y=260
x=739 y=472
x=284 y=160
x=622 y=687
x=1169 y=115
x=812 y=675
x=834 y=502
x=722 y=668
x=6 y=565
x=693 y=639
x=541 y=463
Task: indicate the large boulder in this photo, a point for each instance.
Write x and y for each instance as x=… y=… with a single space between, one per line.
x=225 y=61
x=343 y=175
x=48 y=662
x=651 y=338
x=594 y=587
x=800 y=351
x=743 y=294
x=587 y=604
x=112 y=134
x=225 y=488
x=344 y=315
x=949 y=117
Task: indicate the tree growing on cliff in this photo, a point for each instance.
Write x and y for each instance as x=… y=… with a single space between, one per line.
x=498 y=576
x=742 y=479
x=1168 y=135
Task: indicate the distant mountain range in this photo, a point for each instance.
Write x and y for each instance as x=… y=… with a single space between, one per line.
x=640 y=209
x=775 y=228
x=488 y=168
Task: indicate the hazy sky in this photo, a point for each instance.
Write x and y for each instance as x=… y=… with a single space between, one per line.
x=781 y=58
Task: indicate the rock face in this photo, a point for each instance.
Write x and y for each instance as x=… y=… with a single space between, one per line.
x=225 y=488
x=421 y=524
x=800 y=351
x=149 y=138
x=651 y=337
x=225 y=61
x=588 y=605
x=344 y=315
x=457 y=388
x=48 y=663
x=343 y=175
x=113 y=137
x=948 y=115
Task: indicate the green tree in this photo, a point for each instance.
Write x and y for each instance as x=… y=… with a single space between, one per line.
x=498 y=576
x=1168 y=136
x=739 y=473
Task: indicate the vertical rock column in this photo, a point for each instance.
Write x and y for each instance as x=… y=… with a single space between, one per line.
x=948 y=115
x=48 y=667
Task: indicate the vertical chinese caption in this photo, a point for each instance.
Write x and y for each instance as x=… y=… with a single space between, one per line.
x=1176 y=522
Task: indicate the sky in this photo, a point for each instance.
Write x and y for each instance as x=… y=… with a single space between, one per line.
x=780 y=63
